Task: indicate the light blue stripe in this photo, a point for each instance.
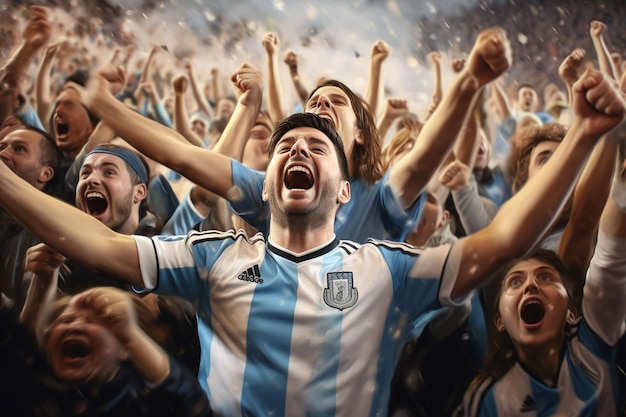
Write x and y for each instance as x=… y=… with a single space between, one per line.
x=271 y=314
x=321 y=397
x=388 y=354
x=205 y=334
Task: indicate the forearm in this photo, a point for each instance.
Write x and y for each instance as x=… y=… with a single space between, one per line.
x=301 y=91
x=161 y=115
x=411 y=174
x=437 y=93
x=202 y=103
x=373 y=86
x=148 y=358
x=41 y=293
x=42 y=90
x=233 y=140
x=274 y=90
x=17 y=64
x=605 y=288
x=473 y=213
x=604 y=57
x=102 y=133
x=501 y=101
x=468 y=143
x=83 y=239
x=590 y=194
x=166 y=146
x=384 y=124
x=181 y=121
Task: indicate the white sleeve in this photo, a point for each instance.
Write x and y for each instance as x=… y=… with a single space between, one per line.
x=147 y=261
x=604 y=296
x=474 y=211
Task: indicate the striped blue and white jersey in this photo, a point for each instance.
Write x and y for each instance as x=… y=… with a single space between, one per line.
x=184 y=218
x=313 y=334
x=374 y=211
x=587 y=383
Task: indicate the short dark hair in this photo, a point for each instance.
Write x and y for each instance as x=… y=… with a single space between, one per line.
x=312 y=120
x=51 y=155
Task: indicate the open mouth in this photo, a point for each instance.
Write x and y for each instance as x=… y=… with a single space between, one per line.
x=96 y=203
x=533 y=312
x=62 y=128
x=298 y=177
x=74 y=349
x=327 y=116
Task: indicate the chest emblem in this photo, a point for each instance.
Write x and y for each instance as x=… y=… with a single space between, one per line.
x=340 y=292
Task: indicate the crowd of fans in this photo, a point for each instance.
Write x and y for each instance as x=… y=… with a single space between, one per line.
x=161 y=253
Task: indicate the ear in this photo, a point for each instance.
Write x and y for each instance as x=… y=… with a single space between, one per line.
x=141 y=192
x=45 y=174
x=497 y=321
x=359 y=138
x=571 y=317
x=264 y=192
x=343 y=196
x=445 y=216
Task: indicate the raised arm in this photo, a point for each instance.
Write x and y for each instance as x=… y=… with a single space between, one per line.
x=166 y=146
x=42 y=268
x=490 y=57
x=35 y=35
x=291 y=59
x=604 y=56
x=393 y=109
x=521 y=222
x=68 y=230
x=114 y=308
x=379 y=53
x=568 y=68
x=146 y=73
x=605 y=289
x=201 y=101
x=248 y=84
x=42 y=88
x=501 y=100
x=275 y=106
x=590 y=194
x=181 y=117
x=435 y=58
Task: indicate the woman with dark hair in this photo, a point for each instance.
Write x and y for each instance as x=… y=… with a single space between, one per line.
x=543 y=358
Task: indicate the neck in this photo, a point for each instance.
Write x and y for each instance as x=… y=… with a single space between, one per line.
x=542 y=361
x=296 y=236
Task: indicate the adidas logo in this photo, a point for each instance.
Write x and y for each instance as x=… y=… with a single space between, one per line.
x=528 y=404
x=252 y=274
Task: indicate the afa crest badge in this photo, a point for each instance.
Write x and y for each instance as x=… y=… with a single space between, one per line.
x=340 y=292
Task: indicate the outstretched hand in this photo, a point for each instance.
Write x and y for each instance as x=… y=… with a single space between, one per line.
x=490 y=57
x=380 y=51
x=106 y=82
x=248 y=84
x=38 y=29
x=598 y=101
x=271 y=43
x=455 y=176
x=114 y=309
x=42 y=260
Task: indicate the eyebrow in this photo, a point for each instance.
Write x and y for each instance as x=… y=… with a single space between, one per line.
x=16 y=142
x=331 y=96
x=544 y=153
x=309 y=139
x=104 y=164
